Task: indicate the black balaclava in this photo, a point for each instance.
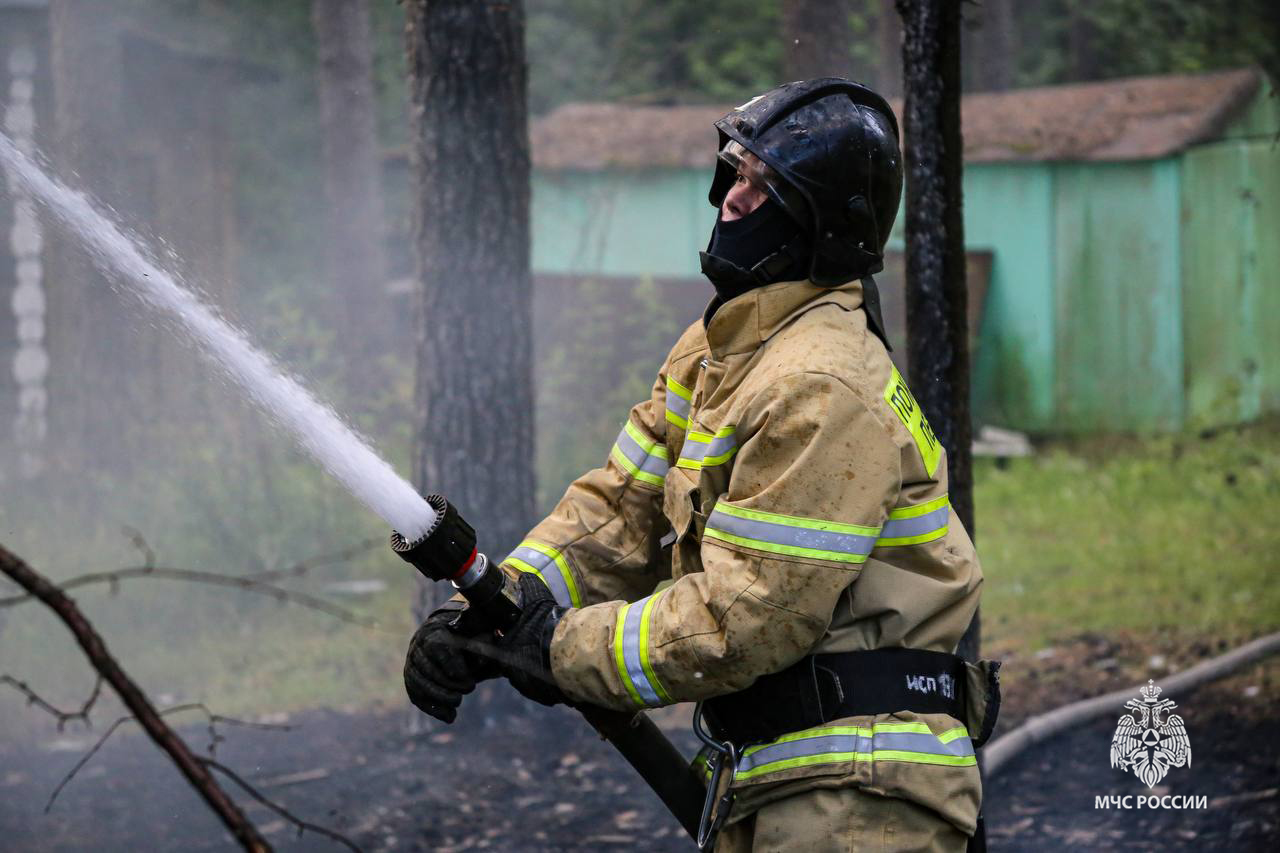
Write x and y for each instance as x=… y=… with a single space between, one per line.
x=734 y=259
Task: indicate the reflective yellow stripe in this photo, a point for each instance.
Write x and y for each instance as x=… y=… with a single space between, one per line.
x=789 y=550
x=644 y=651
x=922 y=509
x=702 y=449
x=899 y=398
x=914 y=525
x=796 y=520
x=914 y=743
x=678 y=409
x=631 y=654
x=924 y=758
x=523 y=560
x=620 y=659
x=642 y=457
x=792 y=535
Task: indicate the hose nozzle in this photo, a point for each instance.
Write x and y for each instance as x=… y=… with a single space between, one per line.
x=446 y=551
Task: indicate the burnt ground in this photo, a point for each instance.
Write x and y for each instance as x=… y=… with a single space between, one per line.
x=1044 y=799
x=539 y=783
x=544 y=782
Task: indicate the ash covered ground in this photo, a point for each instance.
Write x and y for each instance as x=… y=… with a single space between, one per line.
x=544 y=782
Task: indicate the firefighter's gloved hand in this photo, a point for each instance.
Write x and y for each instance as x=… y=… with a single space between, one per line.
x=525 y=650
x=441 y=666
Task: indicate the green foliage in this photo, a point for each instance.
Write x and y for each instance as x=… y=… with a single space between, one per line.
x=679 y=51
x=1059 y=41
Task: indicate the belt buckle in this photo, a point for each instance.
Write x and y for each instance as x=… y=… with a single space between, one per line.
x=722 y=751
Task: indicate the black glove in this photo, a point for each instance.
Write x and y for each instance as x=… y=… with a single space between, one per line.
x=524 y=652
x=441 y=667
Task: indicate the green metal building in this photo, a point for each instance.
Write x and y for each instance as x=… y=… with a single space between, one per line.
x=1126 y=236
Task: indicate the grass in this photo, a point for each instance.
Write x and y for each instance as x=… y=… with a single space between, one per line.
x=1165 y=534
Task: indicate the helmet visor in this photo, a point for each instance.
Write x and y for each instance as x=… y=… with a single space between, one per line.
x=764 y=178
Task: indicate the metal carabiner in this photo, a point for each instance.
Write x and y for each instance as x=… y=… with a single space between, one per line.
x=722 y=752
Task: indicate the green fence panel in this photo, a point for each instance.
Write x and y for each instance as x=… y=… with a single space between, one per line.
x=1008 y=210
x=1231 y=262
x=1118 y=340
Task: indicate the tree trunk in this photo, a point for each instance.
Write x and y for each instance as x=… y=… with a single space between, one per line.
x=470 y=158
x=355 y=260
x=816 y=39
x=936 y=293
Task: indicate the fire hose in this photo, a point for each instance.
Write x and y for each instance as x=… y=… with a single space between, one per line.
x=448 y=552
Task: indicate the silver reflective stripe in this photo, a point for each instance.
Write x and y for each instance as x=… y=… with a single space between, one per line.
x=678 y=400
x=650 y=461
x=902 y=528
x=921 y=744
x=631 y=653
x=700 y=449
x=655 y=465
x=639 y=455
x=790 y=536
x=677 y=404
x=546 y=569
x=842 y=744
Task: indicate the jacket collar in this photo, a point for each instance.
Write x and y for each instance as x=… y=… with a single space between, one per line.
x=746 y=321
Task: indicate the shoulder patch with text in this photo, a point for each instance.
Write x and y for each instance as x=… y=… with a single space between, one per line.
x=899 y=398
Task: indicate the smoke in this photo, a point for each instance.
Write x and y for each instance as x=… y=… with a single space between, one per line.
x=280 y=397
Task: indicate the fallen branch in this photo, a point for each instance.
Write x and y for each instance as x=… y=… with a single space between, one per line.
x=214 y=740
x=247 y=584
x=191 y=767
x=257 y=583
x=1005 y=748
x=63 y=717
x=302 y=825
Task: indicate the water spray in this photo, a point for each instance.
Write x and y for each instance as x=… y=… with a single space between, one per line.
x=427 y=532
x=284 y=401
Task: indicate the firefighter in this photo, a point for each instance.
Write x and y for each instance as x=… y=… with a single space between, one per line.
x=771 y=535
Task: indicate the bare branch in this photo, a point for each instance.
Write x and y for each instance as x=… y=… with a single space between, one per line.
x=139 y=541
x=63 y=717
x=214 y=739
x=95 y=648
x=331 y=558
x=245 y=583
x=256 y=583
x=302 y=825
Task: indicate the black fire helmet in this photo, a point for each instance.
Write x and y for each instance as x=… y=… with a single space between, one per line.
x=834 y=144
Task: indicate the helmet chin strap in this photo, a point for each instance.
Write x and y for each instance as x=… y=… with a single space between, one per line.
x=760 y=248
x=731 y=280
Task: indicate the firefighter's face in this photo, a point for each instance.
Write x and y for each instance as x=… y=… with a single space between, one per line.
x=742 y=198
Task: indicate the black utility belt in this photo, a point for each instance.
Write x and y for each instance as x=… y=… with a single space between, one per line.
x=822 y=688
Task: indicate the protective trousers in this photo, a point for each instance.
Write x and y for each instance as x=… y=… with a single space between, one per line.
x=840 y=821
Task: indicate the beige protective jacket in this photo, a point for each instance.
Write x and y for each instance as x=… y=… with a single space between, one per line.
x=782 y=476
